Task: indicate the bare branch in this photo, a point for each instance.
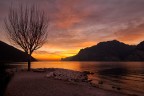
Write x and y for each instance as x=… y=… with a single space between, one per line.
x=27 y=28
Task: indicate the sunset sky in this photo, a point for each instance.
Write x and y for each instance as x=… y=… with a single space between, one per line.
x=76 y=24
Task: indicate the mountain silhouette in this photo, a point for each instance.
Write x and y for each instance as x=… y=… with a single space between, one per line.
x=138 y=54
x=11 y=54
x=140 y=46
x=110 y=51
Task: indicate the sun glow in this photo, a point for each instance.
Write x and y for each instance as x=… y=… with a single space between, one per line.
x=53 y=56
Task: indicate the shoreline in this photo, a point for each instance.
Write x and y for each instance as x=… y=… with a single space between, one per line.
x=100 y=84
x=38 y=84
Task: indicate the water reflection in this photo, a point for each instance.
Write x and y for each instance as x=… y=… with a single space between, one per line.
x=117 y=70
x=124 y=74
x=64 y=65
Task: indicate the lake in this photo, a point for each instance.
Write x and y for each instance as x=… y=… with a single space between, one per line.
x=125 y=76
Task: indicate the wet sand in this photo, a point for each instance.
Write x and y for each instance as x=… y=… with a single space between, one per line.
x=37 y=84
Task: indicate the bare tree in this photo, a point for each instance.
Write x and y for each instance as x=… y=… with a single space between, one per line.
x=26 y=27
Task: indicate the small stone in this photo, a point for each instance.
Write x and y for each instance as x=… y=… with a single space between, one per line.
x=100 y=82
x=50 y=74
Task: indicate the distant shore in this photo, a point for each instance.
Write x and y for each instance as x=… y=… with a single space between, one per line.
x=40 y=83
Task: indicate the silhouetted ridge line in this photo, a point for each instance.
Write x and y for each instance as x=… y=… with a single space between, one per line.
x=9 y=53
x=110 y=51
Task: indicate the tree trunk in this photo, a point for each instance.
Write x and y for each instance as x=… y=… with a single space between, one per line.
x=29 y=62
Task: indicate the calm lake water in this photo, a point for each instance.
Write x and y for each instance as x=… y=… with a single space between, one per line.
x=125 y=75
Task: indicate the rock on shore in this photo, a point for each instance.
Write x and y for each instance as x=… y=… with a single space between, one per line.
x=70 y=75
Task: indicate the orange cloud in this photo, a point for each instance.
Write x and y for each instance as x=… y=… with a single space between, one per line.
x=133 y=34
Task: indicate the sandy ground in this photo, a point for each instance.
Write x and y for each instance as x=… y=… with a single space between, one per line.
x=37 y=84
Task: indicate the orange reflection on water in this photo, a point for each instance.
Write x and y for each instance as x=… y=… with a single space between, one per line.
x=64 y=65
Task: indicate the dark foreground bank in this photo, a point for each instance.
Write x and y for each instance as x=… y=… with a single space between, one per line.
x=5 y=77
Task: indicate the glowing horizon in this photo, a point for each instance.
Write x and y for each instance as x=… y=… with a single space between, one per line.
x=56 y=56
